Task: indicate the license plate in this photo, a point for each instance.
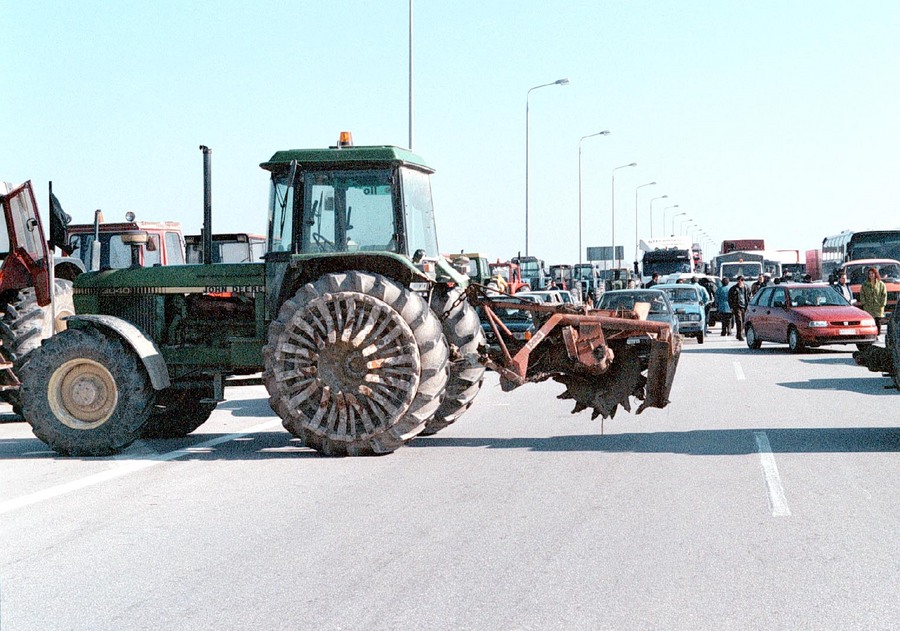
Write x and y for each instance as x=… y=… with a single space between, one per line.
x=846 y=331
x=635 y=340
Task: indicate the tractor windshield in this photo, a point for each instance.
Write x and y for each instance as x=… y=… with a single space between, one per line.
x=352 y=211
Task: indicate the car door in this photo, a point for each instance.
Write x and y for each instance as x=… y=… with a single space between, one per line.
x=759 y=313
x=777 y=316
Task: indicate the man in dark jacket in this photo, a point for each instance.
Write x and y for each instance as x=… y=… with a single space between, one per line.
x=738 y=299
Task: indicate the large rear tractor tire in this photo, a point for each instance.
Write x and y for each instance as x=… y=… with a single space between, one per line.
x=86 y=393
x=25 y=324
x=462 y=328
x=178 y=412
x=355 y=364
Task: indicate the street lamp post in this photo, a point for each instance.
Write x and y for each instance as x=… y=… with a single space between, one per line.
x=683 y=223
x=637 y=242
x=624 y=166
x=673 y=221
x=665 y=210
x=528 y=94
x=605 y=132
x=651 y=212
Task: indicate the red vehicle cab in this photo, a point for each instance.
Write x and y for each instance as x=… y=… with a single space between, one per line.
x=888 y=269
x=805 y=315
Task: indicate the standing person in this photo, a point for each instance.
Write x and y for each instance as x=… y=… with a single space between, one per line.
x=759 y=284
x=873 y=296
x=738 y=299
x=723 y=306
x=654 y=280
x=843 y=287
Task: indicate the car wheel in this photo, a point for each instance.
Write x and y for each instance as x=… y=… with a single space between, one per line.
x=753 y=340
x=794 y=342
x=700 y=337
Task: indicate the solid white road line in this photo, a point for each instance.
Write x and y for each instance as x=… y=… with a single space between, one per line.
x=125 y=468
x=738 y=371
x=777 y=500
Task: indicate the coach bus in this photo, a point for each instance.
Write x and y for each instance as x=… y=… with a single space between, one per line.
x=852 y=246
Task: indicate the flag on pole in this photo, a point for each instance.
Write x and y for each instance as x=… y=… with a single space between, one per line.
x=59 y=219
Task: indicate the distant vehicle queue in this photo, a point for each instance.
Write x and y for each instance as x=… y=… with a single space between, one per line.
x=856 y=256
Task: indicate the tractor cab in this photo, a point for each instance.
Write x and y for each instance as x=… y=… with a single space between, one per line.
x=348 y=199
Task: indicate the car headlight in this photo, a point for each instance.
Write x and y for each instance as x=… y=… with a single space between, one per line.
x=817 y=324
x=869 y=322
x=694 y=317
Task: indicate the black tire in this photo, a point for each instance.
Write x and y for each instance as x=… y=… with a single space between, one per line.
x=462 y=328
x=86 y=393
x=753 y=340
x=355 y=364
x=794 y=342
x=25 y=324
x=700 y=337
x=178 y=412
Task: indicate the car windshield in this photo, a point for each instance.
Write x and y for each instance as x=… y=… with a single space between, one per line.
x=816 y=297
x=627 y=301
x=857 y=274
x=682 y=294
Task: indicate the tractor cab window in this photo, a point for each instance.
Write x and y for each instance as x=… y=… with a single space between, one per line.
x=418 y=212
x=281 y=213
x=349 y=211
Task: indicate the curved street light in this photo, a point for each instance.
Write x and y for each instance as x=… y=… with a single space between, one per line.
x=673 y=221
x=665 y=210
x=605 y=132
x=624 y=166
x=651 y=212
x=637 y=242
x=527 y=95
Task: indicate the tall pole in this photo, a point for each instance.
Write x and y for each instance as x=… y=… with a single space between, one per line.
x=605 y=132
x=624 y=166
x=527 y=95
x=651 y=212
x=410 y=75
x=665 y=210
x=637 y=242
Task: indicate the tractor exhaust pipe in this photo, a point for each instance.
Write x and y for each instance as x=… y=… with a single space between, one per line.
x=206 y=232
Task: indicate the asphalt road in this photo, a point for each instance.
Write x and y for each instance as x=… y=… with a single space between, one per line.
x=765 y=496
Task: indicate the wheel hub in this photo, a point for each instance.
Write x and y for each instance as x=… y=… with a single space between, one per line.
x=82 y=393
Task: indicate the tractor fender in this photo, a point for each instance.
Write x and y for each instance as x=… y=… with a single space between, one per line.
x=145 y=347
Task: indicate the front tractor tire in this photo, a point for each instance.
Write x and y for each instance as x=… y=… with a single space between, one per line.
x=355 y=364
x=86 y=393
x=462 y=328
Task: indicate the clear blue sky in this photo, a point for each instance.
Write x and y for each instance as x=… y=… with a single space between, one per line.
x=772 y=119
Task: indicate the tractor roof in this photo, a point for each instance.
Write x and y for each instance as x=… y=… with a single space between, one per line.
x=344 y=156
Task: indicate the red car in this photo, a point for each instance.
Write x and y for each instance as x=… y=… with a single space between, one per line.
x=805 y=315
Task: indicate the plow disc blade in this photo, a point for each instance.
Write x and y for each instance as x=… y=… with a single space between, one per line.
x=604 y=393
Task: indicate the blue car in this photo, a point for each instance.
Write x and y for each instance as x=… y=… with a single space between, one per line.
x=690 y=308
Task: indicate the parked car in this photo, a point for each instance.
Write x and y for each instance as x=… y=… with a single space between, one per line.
x=660 y=311
x=690 y=308
x=544 y=296
x=805 y=315
x=519 y=322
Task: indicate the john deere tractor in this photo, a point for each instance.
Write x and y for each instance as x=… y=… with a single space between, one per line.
x=363 y=335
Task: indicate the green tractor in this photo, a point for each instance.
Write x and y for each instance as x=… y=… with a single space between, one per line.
x=364 y=336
